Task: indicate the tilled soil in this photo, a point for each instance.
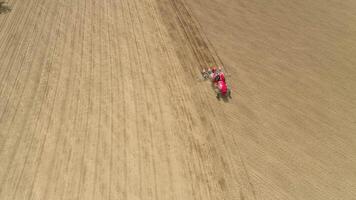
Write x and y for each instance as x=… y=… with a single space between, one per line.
x=103 y=100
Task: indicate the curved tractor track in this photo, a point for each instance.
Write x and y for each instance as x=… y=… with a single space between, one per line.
x=100 y=100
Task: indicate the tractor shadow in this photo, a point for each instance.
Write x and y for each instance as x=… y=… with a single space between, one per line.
x=224 y=99
x=4 y=8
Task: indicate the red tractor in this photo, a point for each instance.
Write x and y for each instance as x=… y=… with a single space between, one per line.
x=217 y=76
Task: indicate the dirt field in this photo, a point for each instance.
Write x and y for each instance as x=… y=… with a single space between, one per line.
x=100 y=100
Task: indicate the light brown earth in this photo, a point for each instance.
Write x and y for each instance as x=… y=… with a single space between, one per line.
x=100 y=100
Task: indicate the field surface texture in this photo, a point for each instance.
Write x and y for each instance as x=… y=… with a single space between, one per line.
x=102 y=100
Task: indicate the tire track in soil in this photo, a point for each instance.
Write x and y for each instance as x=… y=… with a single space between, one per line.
x=201 y=47
x=183 y=102
x=117 y=91
x=167 y=51
x=180 y=99
x=60 y=139
x=177 y=91
x=155 y=97
x=71 y=189
x=139 y=104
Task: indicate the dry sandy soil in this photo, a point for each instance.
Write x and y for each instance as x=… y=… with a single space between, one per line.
x=100 y=100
